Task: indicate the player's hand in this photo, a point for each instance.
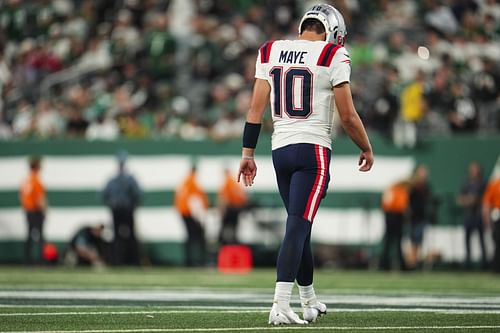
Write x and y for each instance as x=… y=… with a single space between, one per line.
x=247 y=171
x=365 y=161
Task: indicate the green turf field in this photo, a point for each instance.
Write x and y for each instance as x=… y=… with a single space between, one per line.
x=202 y=300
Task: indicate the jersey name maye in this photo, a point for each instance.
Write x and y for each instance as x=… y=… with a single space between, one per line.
x=302 y=75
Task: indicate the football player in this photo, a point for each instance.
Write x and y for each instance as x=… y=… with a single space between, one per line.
x=305 y=80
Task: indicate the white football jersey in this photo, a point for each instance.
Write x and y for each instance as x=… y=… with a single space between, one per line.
x=302 y=75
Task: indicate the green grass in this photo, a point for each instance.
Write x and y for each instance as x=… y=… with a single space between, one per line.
x=442 y=282
x=181 y=300
x=237 y=321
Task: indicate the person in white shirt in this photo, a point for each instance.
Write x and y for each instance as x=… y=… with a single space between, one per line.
x=305 y=80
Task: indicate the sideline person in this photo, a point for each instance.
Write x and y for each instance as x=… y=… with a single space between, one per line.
x=491 y=217
x=122 y=195
x=191 y=202
x=34 y=201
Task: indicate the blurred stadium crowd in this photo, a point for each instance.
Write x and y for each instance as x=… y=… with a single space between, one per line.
x=101 y=69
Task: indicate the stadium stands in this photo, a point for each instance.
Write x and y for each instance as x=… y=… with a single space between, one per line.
x=178 y=68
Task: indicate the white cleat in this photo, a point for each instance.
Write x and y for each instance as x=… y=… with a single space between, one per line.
x=313 y=310
x=279 y=316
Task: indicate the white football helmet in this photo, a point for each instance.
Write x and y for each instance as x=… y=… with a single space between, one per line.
x=331 y=19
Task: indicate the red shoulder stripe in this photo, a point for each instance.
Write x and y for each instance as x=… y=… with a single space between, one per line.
x=326 y=56
x=265 y=52
x=322 y=55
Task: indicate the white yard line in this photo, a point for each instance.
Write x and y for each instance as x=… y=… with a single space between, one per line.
x=238 y=310
x=260 y=291
x=251 y=297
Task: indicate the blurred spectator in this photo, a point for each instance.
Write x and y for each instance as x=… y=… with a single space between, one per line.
x=5 y=130
x=103 y=128
x=122 y=195
x=79 y=96
x=413 y=104
x=48 y=122
x=470 y=200
x=87 y=247
x=5 y=73
x=395 y=203
x=440 y=17
x=191 y=202
x=131 y=127
x=362 y=53
x=76 y=125
x=228 y=126
x=160 y=47
x=222 y=101
x=439 y=97
x=399 y=13
x=462 y=112
x=125 y=41
x=420 y=200
x=96 y=56
x=14 y=16
x=34 y=202
x=232 y=199
x=43 y=61
x=23 y=124
x=385 y=111
x=163 y=127
x=491 y=216
x=205 y=51
x=413 y=109
x=248 y=33
x=76 y=26
x=490 y=8
x=486 y=93
x=193 y=130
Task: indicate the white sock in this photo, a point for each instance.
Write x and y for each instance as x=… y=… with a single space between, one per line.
x=282 y=294
x=307 y=294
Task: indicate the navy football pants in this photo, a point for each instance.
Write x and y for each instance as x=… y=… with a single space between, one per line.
x=302 y=172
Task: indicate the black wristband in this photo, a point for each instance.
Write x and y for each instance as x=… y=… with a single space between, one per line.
x=251 y=135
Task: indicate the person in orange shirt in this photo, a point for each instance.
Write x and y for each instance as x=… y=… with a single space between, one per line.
x=232 y=200
x=33 y=200
x=491 y=217
x=191 y=202
x=395 y=203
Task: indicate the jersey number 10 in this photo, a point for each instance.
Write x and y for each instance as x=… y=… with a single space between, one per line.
x=286 y=85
